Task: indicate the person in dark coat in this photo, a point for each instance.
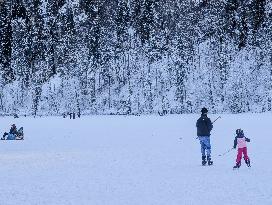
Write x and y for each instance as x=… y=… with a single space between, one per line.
x=204 y=127
x=14 y=134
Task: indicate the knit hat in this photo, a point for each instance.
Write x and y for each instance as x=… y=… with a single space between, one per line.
x=239 y=132
x=204 y=110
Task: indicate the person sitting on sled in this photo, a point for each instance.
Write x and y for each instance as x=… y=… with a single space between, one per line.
x=240 y=142
x=14 y=134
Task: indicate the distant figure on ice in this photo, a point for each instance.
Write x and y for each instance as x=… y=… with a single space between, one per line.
x=204 y=127
x=14 y=134
x=240 y=142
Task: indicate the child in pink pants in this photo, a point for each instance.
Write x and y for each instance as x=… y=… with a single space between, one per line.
x=240 y=142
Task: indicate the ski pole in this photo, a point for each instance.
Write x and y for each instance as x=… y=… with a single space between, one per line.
x=212 y=123
x=216 y=119
x=226 y=152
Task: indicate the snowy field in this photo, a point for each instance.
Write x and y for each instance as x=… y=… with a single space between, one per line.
x=146 y=160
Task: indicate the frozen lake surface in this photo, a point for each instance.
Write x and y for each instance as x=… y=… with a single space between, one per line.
x=135 y=160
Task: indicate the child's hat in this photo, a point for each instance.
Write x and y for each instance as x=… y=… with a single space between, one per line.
x=239 y=131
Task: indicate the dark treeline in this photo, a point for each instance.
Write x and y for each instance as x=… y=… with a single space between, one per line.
x=135 y=56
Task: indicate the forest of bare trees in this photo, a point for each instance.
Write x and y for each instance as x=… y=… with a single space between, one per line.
x=135 y=56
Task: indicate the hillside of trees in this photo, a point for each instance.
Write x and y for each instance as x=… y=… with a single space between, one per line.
x=135 y=56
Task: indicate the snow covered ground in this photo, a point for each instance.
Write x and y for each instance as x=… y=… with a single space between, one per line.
x=146 y=160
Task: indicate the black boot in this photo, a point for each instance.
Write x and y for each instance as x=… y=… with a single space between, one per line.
x=210 y=162
x=247 y=162
x=204 y=160
x=237 y=165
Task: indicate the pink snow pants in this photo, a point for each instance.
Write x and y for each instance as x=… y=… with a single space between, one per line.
x=241 y=151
